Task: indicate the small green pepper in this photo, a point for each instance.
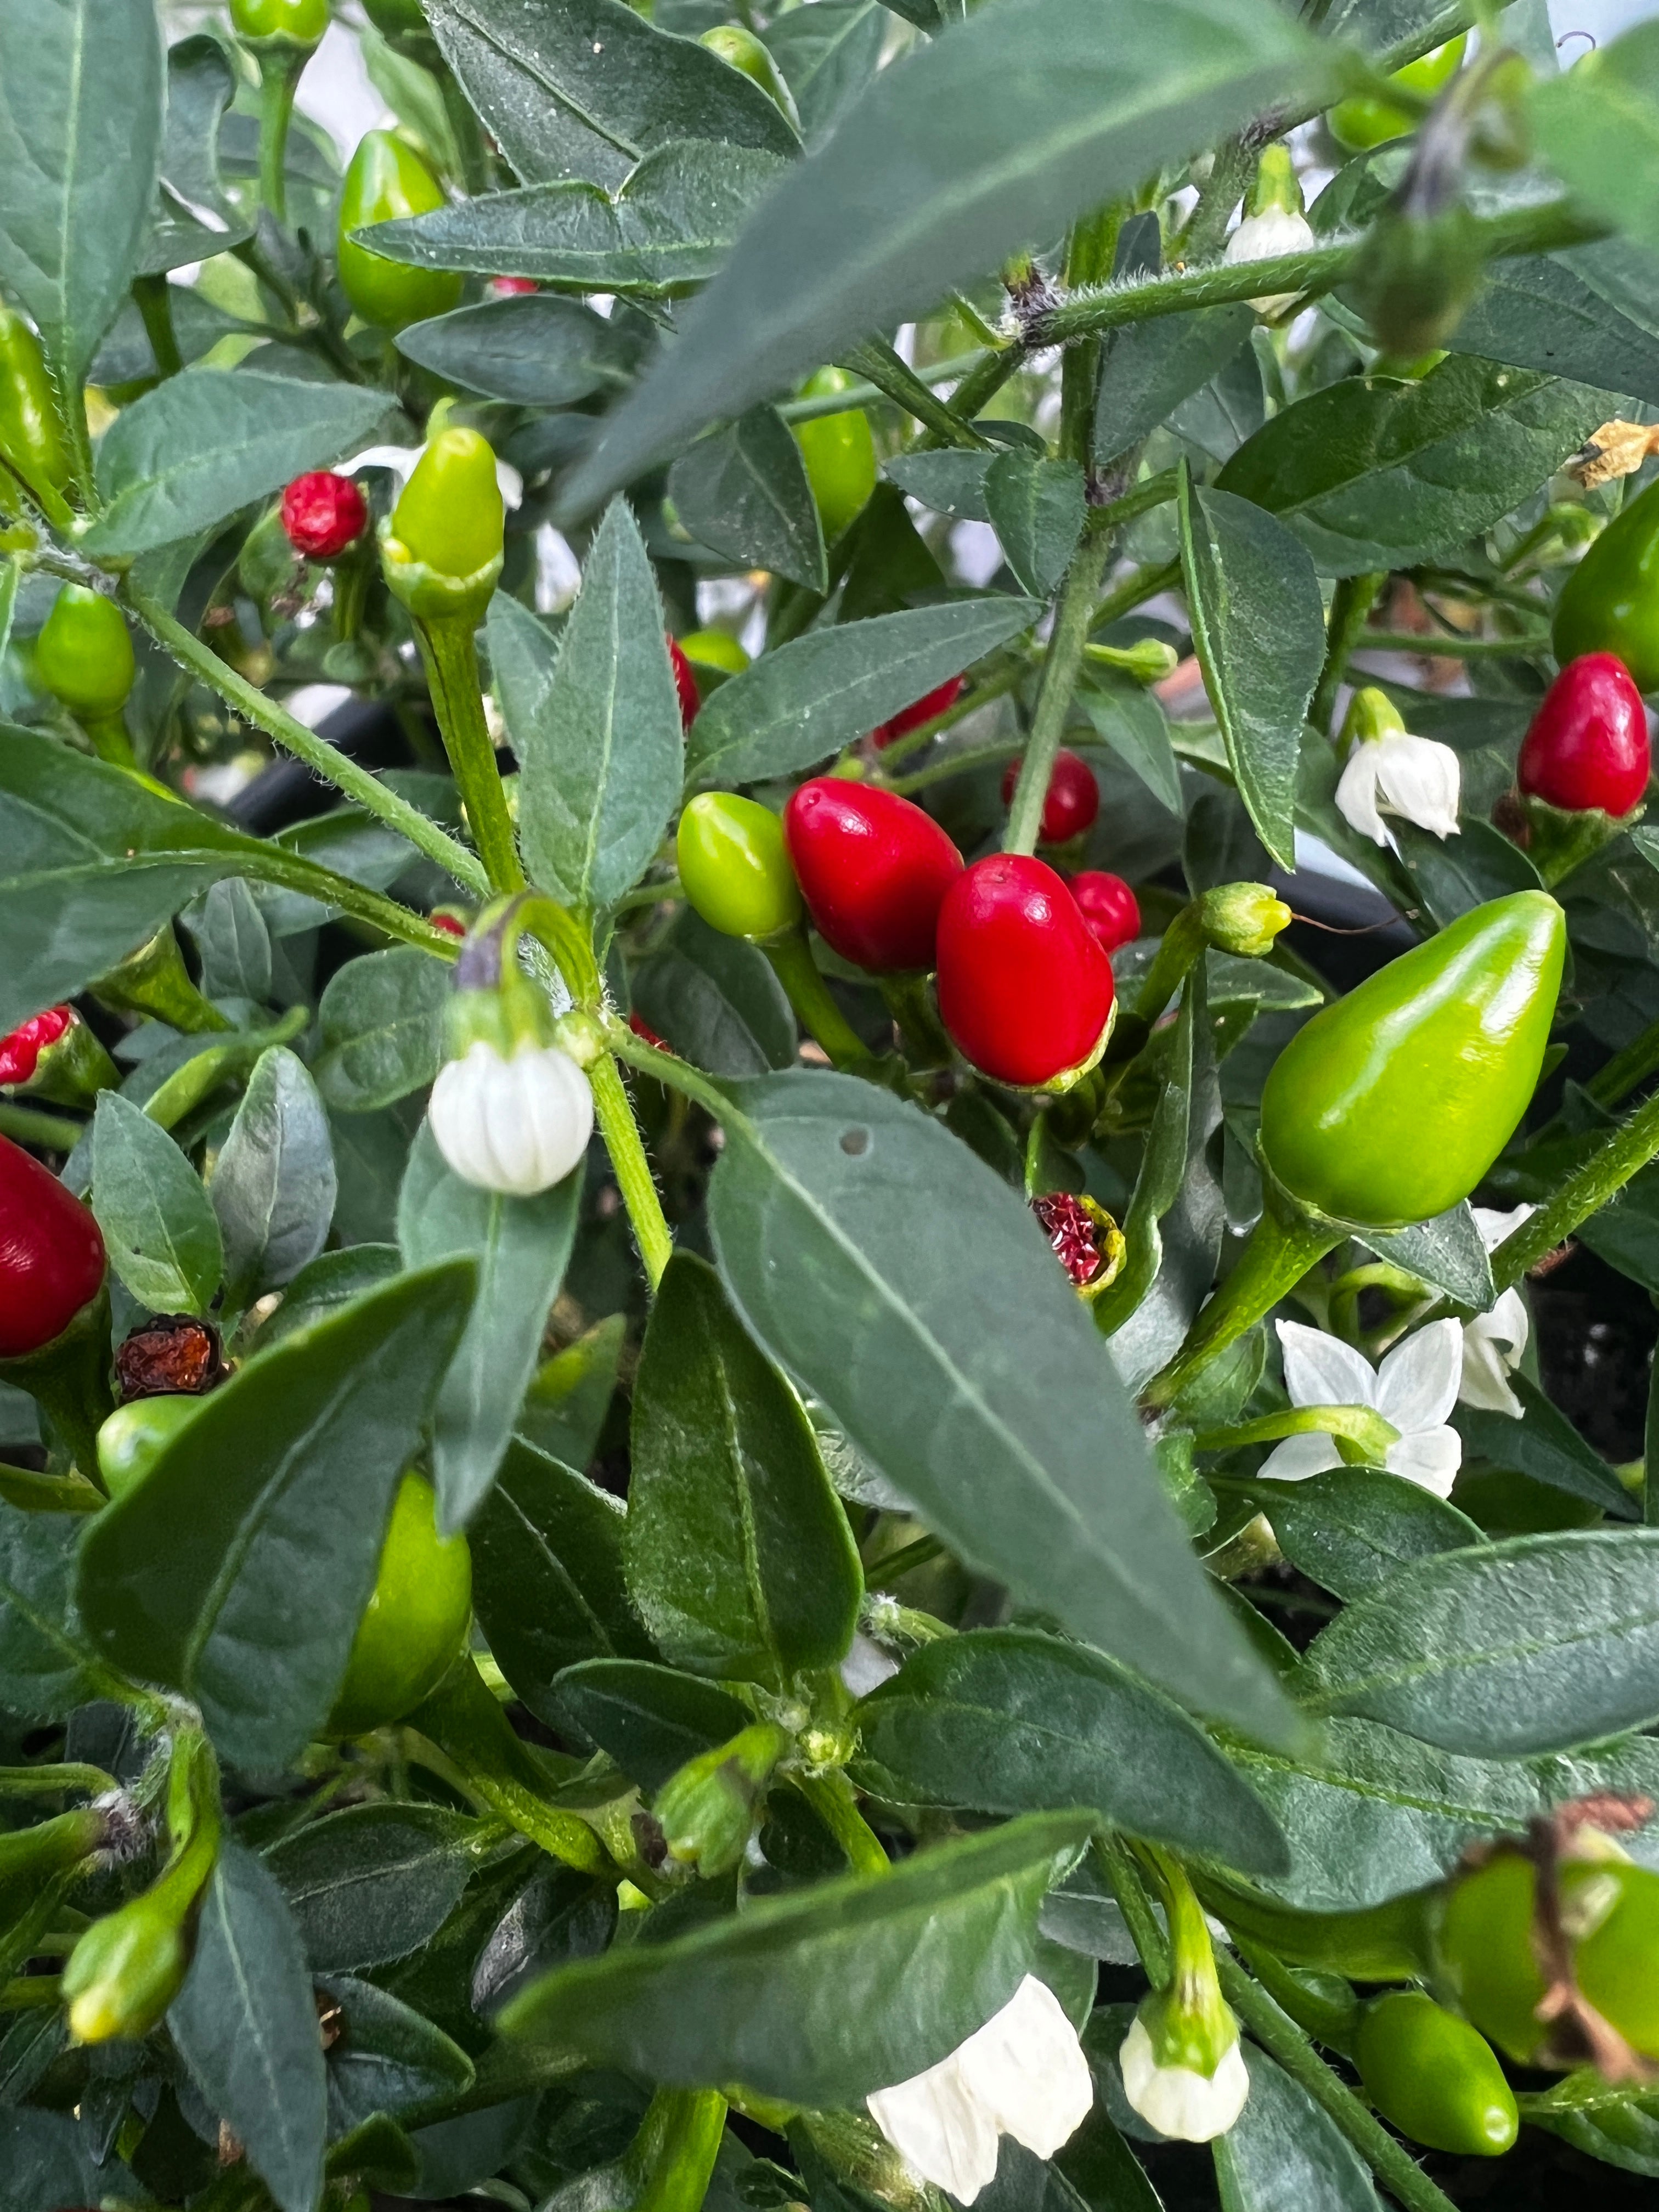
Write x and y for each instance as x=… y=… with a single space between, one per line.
x=743 y=50
x=388 y=180
x=735 y=868
x=31 y=436
x=1370 y=120
x=840 y=455
x=714 y=649
x=1615 y=1960
x=298 y=23
x=1610 y=603
x=1485 y=1954
x=442 y=549
x=1429 y=2074
x=415 y=1622
x=133 y=1437
x=1391 y=1104
x=83 y=656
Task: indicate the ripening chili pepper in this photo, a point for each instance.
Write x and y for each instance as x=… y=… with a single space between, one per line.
x=441 y=552
x=323 y=514
x=645 y=1033
x=685 y=683
x=135 y=1436
x=386 y=180
x=511 y=288
x=1023 y=989
x=1369 y=119
x=1587 y=747
x=415 y=1622
x=293 y=22
x=1391 y=1104
x=83 y=655
x=1613 y=1908
x=51 y=1254
x=735 y=868
x=31 y=436
x=445 y=918
x=1071 y=802
x=20 y=1052
x=938 y=701
x=840 y=455
x=1108 y=906
x=1434 y=2078
x=1610 y=603
x=874 y=870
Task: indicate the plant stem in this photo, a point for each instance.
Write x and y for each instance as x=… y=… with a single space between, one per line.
x=675 y=2148
x=808 y=994
x=861 y=395
x=830 y=1797
x=1074 y=618
x=1447 y=645
x=1219 y=196
x=876 y=360
x=43 y=1781
x=1135 y=590
x=981 y=383
x=1351 y=605
x=956 y=764
x=1284 y=2041
x=1624 y=1153
x=1117 y=1862
x=451 y=657
x=1279 y=1253
x=1357 y=1423
x=664 y=1066
x=29 y=1125
x=154 y=297
x=1626 y=1069
x=324 y=759
x=614 y=1111
x=279 y=80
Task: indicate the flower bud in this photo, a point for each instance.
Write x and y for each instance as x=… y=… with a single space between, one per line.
x=126 y=1971
x=516 y=1124
x=734 y=866
x=1183 y=2072
x=1147 y=661
x=440 y=550
x=707 y=1809
x=1419 y=274
x=1243 y=919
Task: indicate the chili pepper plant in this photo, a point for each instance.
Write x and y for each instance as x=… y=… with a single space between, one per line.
x=826 y=921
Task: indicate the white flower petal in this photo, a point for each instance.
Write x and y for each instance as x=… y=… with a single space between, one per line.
x=1027 y=2069
x=517 y=1127
x=1186 y=2105
x=1495 y=1225
x=1299 y=1457
x=935 y=2121
x=1320 y=1370
x=1356 y=794
x=1261 y=237
x=1429 y=1457
x=1419 y=778
x=1416 y=1383
x=1485 y=1381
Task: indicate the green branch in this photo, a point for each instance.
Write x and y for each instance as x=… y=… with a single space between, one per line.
x=1074 y=618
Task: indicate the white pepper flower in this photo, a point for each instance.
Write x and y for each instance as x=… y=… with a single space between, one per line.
x=1178 y=2100
x=516 y=1125
x=1414 y=777
x=1495 y=1341
x=1415 y=1389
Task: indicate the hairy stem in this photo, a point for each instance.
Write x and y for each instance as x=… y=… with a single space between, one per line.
x=1351 y=605
x=1279 y=1253
x=451 y=658
x=614 y=1111
x=1074 y=618
x=810 y=995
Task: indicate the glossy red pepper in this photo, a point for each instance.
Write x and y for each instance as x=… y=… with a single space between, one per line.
x=511 y=288
x=323 y=514
x=912 y=718
x=874 y=869
x=1108 y=906
x=1587 y=745
x=1023 y=989
x=685 y=683
x=51 y=1254
x=20 y=1052
x=1072 y=799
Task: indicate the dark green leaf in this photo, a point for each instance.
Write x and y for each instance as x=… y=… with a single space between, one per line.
x=596 y=727
x=1534 y=1644
x=1544 y=1444
x=1349 y=1530
x=1259 y=632
x=826 y=59
x=950 y=483
x=329 y=1283
x=714 y=1000
x=273 y=1186
x=81 y=102
x=1615 y=2122
x=385 y=2057
x=280 y=1483
x=1374 y=474
x=245 y=2024
x=381 y=1023
x=1037 y=508
x=583 y=87
x=1597 y=125
x=376 y=1881
x=234 y=942
x=204 y=444
x=907 y=1288
x=569 y=1396
x=158 y=1222
x=821 y=1997
x=1283 y=2150
x=1625 y=1233
x=798 y=704
x=1453 y=875
x=46 y=1666
x=1008 y=1721
x=739 y=1560
x=649 y=1719
x=1588 y=315
x=45 y=2157
x=520 y=1246
x=743 y=491
x=1446 y=1252
x=959 y=155
x=1147 y=368
x=538 y=350
x=1131 y=721
x=668 y=226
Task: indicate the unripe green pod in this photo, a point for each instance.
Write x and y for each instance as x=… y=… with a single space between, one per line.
x=386 y=180
x=840 y=455
x=1390 y=1105
x=1429 y=2074
x=1610 y=603
x=297 y=23
x=441 y=552
x=83 y=655
x=1418 y=276
x=135 y=1436
x=31 y=436
x=1487 y=1959
x=735 y=868
x=1615 y=1962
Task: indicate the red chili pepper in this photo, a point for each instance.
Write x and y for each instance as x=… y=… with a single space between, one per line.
x=1108 y=906
x=20 y=1052
x=685 y=683
x=52 y=1255
x=1073 y=801
x=451 y=924
x=874 y=870
x=647 y=1035
x=1587 y=746
x=1024 y=989
x=912 y=718
x=323 y=514
x=510 y=287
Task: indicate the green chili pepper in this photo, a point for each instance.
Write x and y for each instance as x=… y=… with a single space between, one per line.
x=1370 y=120
x=1610 y=603
x=442 y=549
x=416 y=1621
x=743 y=50
x=1390 y=1105
x=1487 y=1959
x=388 y=180
x=735 y=868
x=134 y=1437
x=298 y=23
x=1615 y=1960
x=840 y=455
x=31 y=436
x=1433 y=2077
x=83 y=656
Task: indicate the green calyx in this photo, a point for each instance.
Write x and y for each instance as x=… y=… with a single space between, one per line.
x=494 y=1001
x=31 y=436
x=83 y=655
x=388 y=181
x=1390 y=1105
x=1434 y=2078
x=735 y=868
x=1275 y=184
x=706 y=1810
x=298 y=24
x=440 y=548
x=1371 y=714
x=1610 y=603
